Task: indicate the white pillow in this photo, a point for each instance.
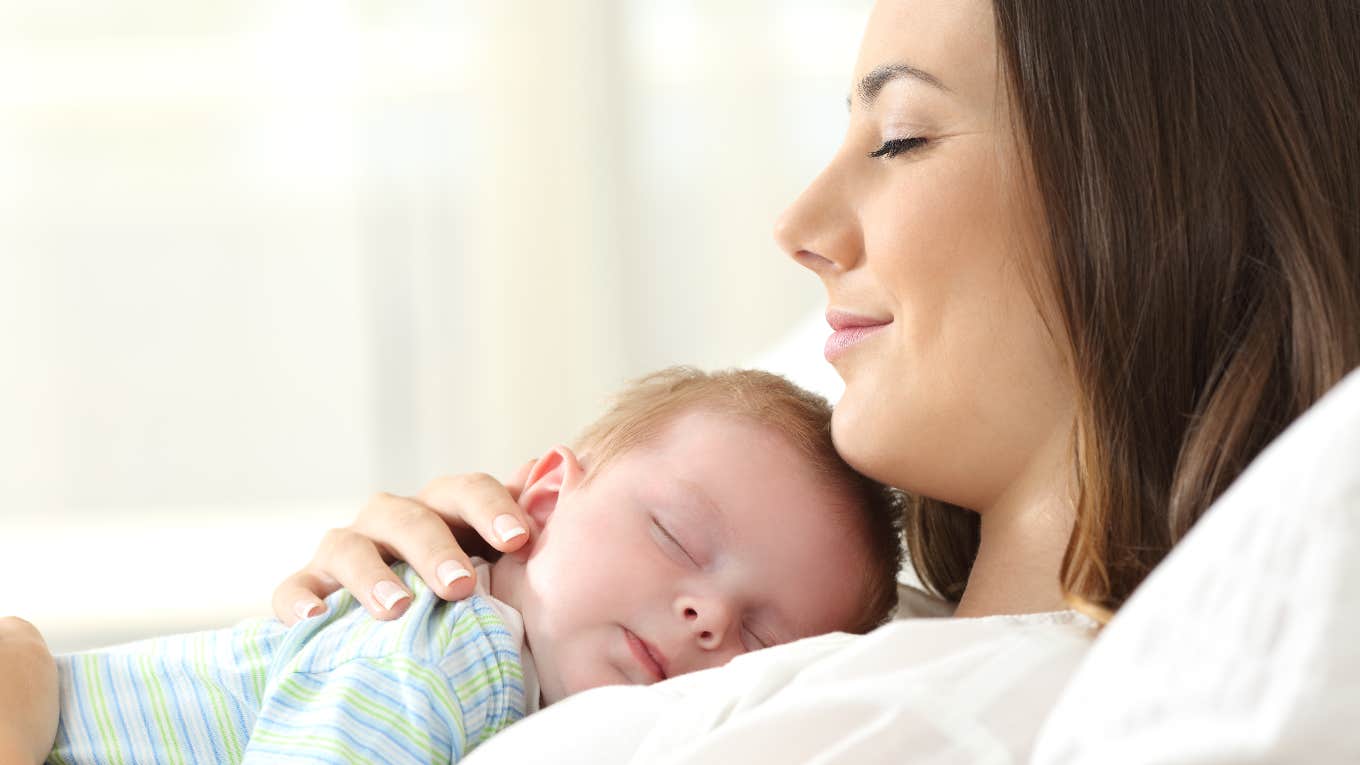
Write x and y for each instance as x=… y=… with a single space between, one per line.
x=1244 y=645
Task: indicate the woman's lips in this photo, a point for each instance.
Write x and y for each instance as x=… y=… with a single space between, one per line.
x=847 y=334
x=653 y=663
x=839 y=342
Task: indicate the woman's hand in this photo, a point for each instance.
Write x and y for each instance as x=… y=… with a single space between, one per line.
x=28 y=693
x=429 y=531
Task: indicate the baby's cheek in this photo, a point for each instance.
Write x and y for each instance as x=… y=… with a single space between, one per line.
x=582 y=662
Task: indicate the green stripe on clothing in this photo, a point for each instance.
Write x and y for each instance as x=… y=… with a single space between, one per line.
x=259 y=666
x=327 y=745
x=89 y=665
x=478 y=682
x=437 y=684
x=211 y=688
x=158 y=708
x=357 y=701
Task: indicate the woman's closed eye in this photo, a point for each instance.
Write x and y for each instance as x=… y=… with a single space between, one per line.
x=894 y=146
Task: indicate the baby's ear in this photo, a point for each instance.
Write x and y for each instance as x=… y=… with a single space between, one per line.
x=555 y=475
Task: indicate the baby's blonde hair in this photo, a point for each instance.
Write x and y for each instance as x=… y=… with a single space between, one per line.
x=642 y=411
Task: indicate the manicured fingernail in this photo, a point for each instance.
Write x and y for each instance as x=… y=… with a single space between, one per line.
x=388 y=594
x=306 y=609
x=450 y=572
x=507 y=526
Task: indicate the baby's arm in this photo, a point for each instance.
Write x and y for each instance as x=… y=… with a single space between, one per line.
x=425 y=688
x=389 y=710
x=28 y=694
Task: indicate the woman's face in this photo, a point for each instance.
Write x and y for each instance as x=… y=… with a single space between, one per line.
x=923 y=223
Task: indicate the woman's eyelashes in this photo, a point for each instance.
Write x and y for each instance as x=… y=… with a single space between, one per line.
x=894 y=146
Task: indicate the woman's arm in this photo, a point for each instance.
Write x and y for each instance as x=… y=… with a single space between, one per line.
x=429 y=531
x=28 y=693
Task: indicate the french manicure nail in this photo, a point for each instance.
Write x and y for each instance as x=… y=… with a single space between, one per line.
x=388 y=594
x=306 y=609
x=507 y=526
x=450 y=572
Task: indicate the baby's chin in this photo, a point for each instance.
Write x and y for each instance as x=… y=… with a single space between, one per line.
x=546 y=696
x=572 y=684
x=561 y=688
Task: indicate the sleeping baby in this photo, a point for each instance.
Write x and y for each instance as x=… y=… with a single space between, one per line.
x=702 y=517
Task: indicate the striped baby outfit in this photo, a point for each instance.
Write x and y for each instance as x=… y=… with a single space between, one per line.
x=341 y=687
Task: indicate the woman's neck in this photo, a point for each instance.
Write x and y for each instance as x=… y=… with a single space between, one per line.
x=1018 y=565
x=1024 y=536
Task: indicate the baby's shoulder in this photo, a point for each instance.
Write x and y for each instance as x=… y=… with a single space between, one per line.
x=432 y=633
x=441 y=627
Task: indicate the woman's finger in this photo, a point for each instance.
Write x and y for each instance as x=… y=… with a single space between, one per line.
x=355 y=560
x=419 y=531
x=301 y=596
x=406 y=529
x=482 y=502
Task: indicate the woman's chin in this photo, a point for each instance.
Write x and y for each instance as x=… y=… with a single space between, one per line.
x=859 y=438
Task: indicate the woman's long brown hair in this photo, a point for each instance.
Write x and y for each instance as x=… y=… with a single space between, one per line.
x=1198 y=166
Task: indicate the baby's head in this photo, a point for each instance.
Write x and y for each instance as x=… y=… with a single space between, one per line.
x=703 y=516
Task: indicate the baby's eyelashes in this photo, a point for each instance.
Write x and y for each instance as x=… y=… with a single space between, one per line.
x=752 y=641
x=669 y=543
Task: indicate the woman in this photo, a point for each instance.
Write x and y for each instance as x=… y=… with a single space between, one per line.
x=1086 y=260
x=1115 y=251
x=1106 y=251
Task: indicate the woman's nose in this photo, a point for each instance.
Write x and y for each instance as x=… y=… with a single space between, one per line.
x=708 y=619
x=820 y=230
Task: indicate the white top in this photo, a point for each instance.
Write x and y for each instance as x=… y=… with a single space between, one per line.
x=944 y=690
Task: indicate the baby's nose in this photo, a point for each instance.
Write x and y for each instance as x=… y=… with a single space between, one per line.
x=709 y=621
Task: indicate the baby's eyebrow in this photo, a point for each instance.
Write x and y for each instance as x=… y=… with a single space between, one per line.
x=703 y=503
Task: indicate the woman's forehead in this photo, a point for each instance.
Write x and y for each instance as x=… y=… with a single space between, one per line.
x=951 y=41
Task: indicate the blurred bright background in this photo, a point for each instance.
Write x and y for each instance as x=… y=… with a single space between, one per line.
x=261 y=259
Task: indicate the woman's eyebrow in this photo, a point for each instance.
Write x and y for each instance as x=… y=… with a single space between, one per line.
x=873 y=82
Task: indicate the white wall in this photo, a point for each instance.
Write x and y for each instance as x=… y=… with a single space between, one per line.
x=259 y=259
